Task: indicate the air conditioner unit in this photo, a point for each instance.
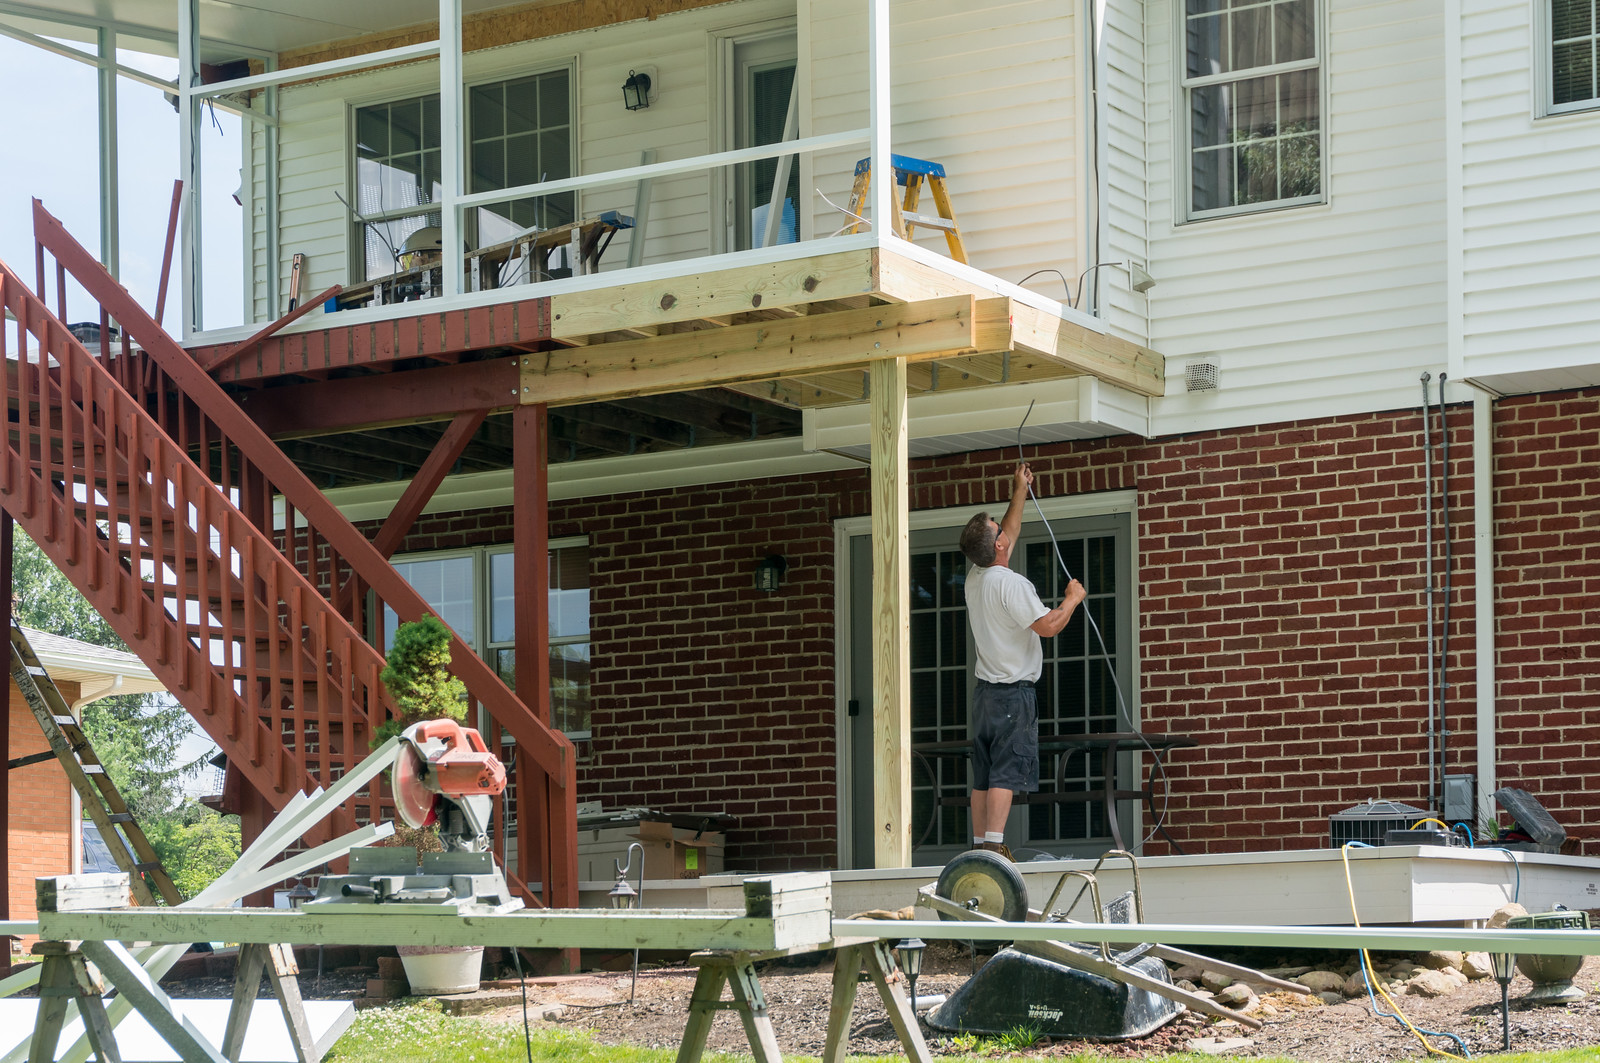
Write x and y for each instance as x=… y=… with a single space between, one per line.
x=1369 y=821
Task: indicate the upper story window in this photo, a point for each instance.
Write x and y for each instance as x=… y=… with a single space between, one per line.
x=518 y=131
x=1253 y=90
x=1574 y=42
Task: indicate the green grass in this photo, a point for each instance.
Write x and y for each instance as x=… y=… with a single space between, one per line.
x=418 y=1032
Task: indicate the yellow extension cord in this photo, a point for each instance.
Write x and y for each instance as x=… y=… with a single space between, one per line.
x=1366 y=961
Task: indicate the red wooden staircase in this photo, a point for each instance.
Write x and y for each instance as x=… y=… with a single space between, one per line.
x=215 y=558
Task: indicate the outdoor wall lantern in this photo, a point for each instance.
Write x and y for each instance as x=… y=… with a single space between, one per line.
x=769 y=572
x=636 y=91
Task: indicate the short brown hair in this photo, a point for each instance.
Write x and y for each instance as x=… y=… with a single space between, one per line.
x=977 y=540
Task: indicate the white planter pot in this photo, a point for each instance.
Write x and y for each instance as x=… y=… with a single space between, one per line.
x=438 y=970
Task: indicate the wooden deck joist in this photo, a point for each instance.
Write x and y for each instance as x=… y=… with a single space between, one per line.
x=797 y=332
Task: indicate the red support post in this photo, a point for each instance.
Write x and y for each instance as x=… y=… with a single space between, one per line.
x=166 y=257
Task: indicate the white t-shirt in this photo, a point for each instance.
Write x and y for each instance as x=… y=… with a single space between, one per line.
x=1001 y=606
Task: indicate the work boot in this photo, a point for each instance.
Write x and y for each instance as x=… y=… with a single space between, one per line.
x=998 y=847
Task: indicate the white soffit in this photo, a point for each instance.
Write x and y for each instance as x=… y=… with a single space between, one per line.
x=955 y=422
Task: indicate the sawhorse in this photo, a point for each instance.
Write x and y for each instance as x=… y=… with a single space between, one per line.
x=737 y=970
x=66 y=978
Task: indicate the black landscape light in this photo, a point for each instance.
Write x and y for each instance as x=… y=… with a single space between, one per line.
x=910 y=951
x=1505 y=968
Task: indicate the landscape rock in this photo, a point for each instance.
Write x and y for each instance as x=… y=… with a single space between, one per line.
x=1504 y=914
x=1476 y=965
x=1189 y=972
x=1237 y=996
x=1430 y=984
x=1355 y=985
x=1439 y=961
x=1329 y=996
x=1215 y=981
x=1322 y=981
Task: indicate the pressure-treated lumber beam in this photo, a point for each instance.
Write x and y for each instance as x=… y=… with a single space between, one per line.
x=1071 y=344
x=891 y=618
x=935 y=328
x=1111 y=358
x=717 y=293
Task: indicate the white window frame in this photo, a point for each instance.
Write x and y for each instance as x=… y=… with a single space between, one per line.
x=1183 y=125
x=1543 y=67
x=722 y=76
x=483 y=643
x=358 y=251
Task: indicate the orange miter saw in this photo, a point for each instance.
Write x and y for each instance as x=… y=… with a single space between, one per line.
x=445 y=777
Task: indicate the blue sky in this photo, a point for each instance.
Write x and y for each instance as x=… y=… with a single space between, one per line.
x=54 y=156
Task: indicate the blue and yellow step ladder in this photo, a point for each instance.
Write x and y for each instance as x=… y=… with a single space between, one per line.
x=911 y=173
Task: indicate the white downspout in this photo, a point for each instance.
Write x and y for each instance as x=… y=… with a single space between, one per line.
x=75 y=831
x=1483 y=593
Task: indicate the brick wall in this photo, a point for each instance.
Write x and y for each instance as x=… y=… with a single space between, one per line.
x=1547 y=598
x=40 y=821
x=1283 y=622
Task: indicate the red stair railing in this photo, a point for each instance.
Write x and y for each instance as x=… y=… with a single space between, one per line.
x=234 y=458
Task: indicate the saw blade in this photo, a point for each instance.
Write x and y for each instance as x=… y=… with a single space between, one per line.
x=415 y=803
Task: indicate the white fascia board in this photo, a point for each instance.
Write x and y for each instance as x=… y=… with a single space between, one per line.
x=602 y=477
x=982 y=418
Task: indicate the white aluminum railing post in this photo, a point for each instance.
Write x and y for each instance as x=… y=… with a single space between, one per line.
x=450 y=156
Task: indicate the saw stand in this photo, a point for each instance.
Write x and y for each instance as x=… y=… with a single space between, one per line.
x=67 y=977
x=737 y=970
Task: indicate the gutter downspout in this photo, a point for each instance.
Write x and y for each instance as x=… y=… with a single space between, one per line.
x=75 y=860
x=1483 y=594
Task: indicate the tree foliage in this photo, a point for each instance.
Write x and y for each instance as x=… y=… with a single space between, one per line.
x=136 y=736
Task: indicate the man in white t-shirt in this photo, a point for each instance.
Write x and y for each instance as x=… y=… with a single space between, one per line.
x=1007 y=619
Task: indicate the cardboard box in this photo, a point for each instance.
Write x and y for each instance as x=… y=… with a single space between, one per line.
x=678 y=852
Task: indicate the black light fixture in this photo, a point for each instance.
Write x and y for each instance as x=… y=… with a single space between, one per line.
x=769 y=572
x=625 y=898
x=910 y=951
x=636 y=91
x=300 y=894
x=1505 y=967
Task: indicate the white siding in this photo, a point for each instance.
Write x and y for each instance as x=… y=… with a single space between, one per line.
x=1530 y=205
x=315 y=139
x=1319 y=310
x=989 y=90
x=1124 y=178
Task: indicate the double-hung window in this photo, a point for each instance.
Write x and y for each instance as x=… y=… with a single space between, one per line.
x=1252 y=88
x=473 y=591
x=1574 y=42
x=519 y=131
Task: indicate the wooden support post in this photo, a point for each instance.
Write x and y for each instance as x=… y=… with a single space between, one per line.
x=65 y=979
x=891 y=618
x=704 y=1002
x=752 y=1008
x=136 y=985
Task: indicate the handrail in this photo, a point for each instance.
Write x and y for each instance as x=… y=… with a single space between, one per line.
x=548 y=748
x=79 y=437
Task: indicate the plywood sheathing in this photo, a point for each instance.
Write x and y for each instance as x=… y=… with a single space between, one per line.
x=506 y=25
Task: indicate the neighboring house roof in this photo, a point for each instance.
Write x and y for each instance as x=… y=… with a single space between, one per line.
x=95 y=669
x=96 y=857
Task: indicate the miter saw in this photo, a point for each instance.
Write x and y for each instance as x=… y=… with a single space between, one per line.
x=443 y=777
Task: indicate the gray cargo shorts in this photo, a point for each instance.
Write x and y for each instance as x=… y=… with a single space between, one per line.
x=1005 y=737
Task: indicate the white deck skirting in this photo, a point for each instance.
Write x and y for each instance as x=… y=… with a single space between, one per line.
x=1394 y=885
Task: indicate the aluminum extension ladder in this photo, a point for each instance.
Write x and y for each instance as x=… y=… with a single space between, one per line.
x=912 y=173
x=130 y=848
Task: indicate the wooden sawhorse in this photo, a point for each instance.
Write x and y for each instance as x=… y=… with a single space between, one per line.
x=66 y=977
x=737 y=970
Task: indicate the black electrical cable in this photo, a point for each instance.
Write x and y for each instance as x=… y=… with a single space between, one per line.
x=1449 y=557
x=527 y=1029
x=1111 y=667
